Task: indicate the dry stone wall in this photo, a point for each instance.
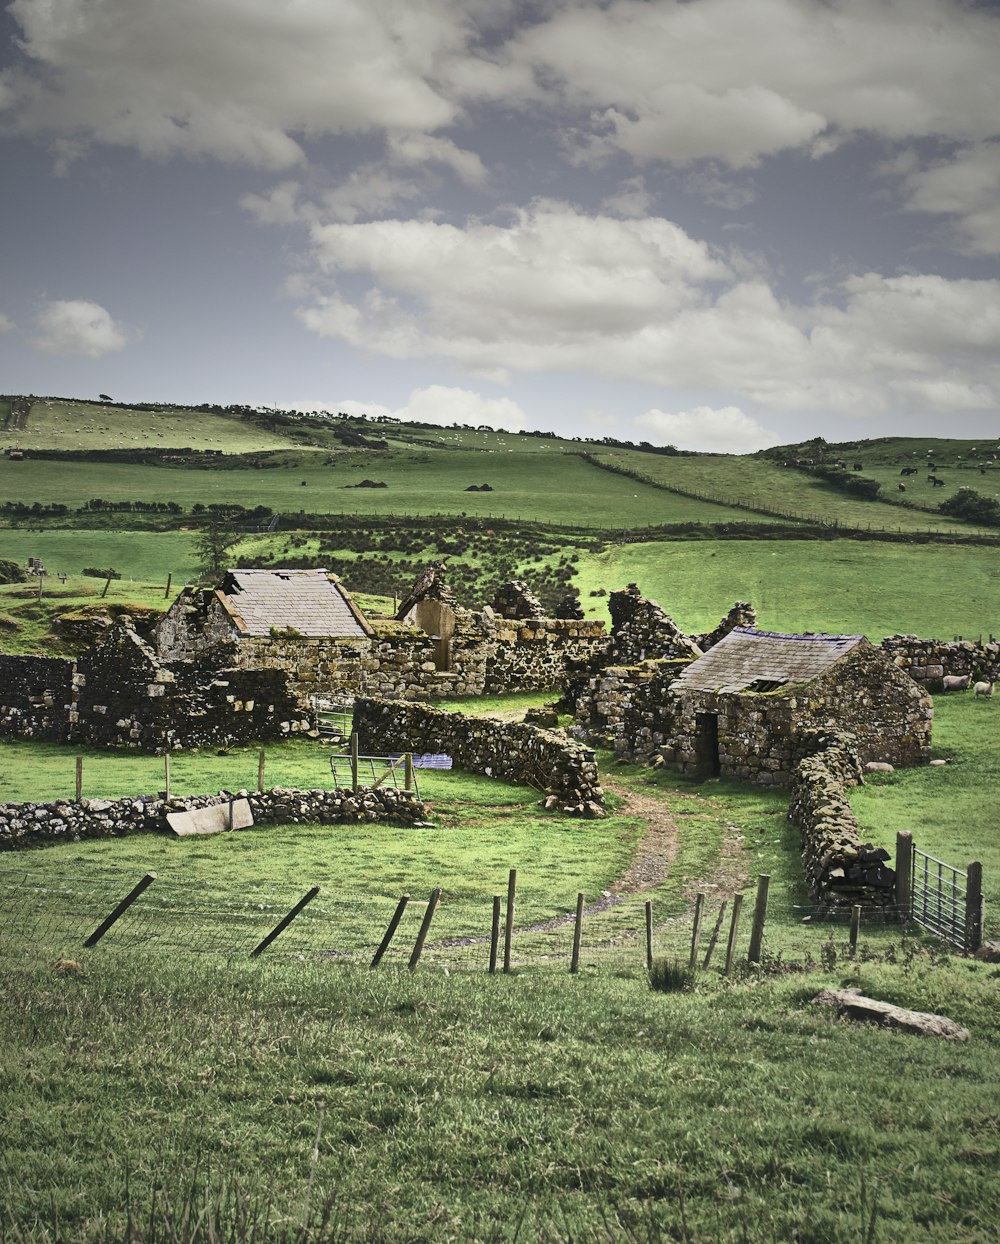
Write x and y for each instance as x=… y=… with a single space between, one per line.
x=548 y=760
x=929 y=661
x=26 y=825
x=841 y=870
x=37 y=697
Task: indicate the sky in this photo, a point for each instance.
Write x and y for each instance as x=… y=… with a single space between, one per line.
x=717 y=224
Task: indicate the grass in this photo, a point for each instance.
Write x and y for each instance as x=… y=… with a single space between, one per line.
x=840 y=587
x=146 y=557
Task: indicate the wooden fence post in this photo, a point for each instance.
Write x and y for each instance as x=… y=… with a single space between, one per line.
x=79 y=778
x=166 y=775
x=574 y=965
x=425 y=925
x=397 y=915
x=284 y=922
x=855 y=929
x=260 y=772
x=120 y=910
x=715 y=935
x=354 y=762
x=508 y=928
x=699 y=907
x=974 y=908
x=649 y=935
x=904 y=875
x=759 y=916
x=734 y=926
x=495 y=934
x=166 y=590
x=408 y=772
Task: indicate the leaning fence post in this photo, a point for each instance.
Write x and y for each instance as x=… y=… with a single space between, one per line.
x=425 y=926
x=904 y=874
x=508 y=928
x=120 y=910
x=79 y=778
x=759 y=916
x=495 y=934
x=166 y=590
x=284 y=922
x=260 y=772
x=734 y=927
x=699 y=907
x=715 y=935
x=574 y=964
x=974 y=907
x=397 y=915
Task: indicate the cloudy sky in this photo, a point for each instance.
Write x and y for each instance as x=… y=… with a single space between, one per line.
x=716 y=223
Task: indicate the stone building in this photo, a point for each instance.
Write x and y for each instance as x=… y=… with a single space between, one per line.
x=739 y=710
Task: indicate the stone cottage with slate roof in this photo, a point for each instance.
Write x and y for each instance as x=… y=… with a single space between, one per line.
x=739 y=710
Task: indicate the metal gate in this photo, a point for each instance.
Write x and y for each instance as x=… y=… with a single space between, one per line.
x=947 y=901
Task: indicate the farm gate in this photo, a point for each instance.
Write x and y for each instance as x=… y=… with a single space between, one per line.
x=942 y=899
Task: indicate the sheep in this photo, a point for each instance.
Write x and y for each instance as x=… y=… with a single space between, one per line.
x=983 y=688
x=956 y=682
x=901 y=487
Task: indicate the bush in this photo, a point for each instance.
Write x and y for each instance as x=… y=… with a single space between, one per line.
x=973 y=507
x=11 y=572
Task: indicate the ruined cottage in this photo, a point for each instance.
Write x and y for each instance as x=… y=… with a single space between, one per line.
x=740 y=710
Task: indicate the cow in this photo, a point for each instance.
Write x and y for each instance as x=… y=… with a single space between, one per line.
x=956 y=682
x=908 y=471
x=858 y=466
x=938 y=483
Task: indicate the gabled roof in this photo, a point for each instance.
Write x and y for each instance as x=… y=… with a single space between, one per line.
x=312 y=603
x=748 y=659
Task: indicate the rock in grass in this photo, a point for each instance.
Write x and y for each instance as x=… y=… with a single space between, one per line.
x=852 y=1004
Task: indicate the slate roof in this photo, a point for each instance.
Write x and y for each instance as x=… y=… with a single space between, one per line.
x=746 y=657
x=312 y=602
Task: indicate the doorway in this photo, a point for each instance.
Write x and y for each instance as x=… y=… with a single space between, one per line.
x=706 y=745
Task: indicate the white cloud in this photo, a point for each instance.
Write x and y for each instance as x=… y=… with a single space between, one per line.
x=735 y=81
x=966 y=188
x=726 y=430
x=78 y=328
x=420 y=149
x=6 y=324
x=242 y=83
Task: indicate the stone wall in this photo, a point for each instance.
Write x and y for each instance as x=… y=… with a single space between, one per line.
x=841 y=870
x=641 y=630
x=25 y=825
x=927 y=661
x=564 y=770
x=37 y=697
x=534 y=654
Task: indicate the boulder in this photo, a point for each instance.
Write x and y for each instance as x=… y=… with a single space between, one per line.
x=853 y=1005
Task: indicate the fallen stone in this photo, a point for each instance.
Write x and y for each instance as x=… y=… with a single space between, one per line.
x=853 y=1005
x=989 y=952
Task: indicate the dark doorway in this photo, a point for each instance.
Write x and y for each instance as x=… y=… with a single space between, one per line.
x=706 y=745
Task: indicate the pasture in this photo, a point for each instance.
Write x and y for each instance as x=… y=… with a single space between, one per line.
x=170 y=1089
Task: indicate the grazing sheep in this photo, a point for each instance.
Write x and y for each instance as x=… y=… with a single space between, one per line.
x=983 y=688
x=956 y=682
x=901 y=487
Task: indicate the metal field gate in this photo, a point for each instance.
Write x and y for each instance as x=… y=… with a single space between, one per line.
x=947 y=901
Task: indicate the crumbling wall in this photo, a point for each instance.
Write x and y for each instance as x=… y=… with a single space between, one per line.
x=26 y=825
x=534 y=654
x=741 y=614
x=37 y=697
x=564 y=770
x=641 y=630
x=195 y=623
x=929 y=661
x=841 y=871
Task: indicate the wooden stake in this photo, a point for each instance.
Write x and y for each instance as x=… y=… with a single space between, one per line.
x=974 y=907
x=354 y=762
x=397 y=915
x=166 y=590
x=260 y=772
x=715 y=935
x=855 y=928
x=120 y=910
x=734 y=926
x=699 y=907
x=574 y=965
x=79 y=778
x=904 y=874
x=508 y=928
x=107 y=584
x=408 y=771
x=495 y=934
x=284 y=922
x=425 y=926
x=759 y=917
x=649 y=935
x=166 y=775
